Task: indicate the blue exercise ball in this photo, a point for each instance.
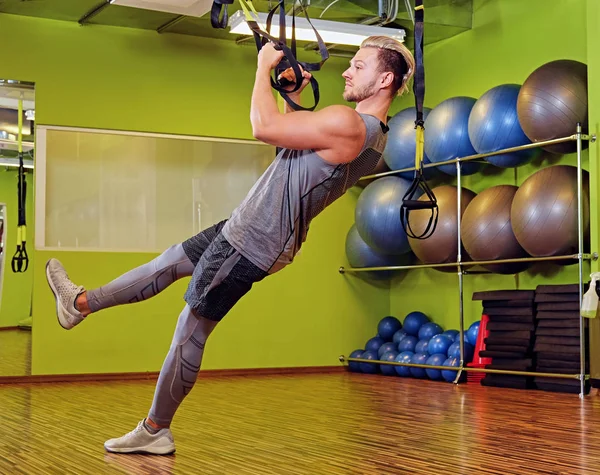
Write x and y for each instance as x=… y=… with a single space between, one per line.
x=436 y=359
x=388 y=369
x=398 y=336
x=429 y=330
x=452 y=333
x=389 y=346
x=404 y=357
x=360 y=254
x=465 y=338
x=413 y=322
x=401 y=146
x=370 y=368
x=373 y=344
x=418 y=358
x=494 y=125
x=387 y=327
x=408 y=343
x=447 y=135
x=447 y=374
x=353 y=365
x=422 y=347
x=440 y=344
x=377 y=215
x=472 y=333
x=454 y=350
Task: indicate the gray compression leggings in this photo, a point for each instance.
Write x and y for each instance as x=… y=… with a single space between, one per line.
x=181 y=366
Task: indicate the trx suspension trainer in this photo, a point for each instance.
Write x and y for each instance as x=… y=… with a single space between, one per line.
x=219 y=18
x=410 y=201
x=20 y=261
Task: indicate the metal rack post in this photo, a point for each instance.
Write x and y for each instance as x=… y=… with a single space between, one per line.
x=459 y=269
x=580 y=263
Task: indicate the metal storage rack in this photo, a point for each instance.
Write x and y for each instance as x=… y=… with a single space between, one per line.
x=578 y=137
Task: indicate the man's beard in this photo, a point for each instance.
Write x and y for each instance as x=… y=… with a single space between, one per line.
x=358 y=95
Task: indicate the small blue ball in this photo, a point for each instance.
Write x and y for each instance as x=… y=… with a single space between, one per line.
x=388 y=326
x=435 y=360
x=419 y=358
x=408 y=343
x=472 y=333
x=387 y=369
x=447 y=374
x=369 y=367
x=353 y=365
x=429 y=330
x=404 y=357
x=390 y=346
x=374 y=344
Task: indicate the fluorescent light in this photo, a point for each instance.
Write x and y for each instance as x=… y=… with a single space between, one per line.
x=331 y=31
x=14 y=163
x=14 y=145
x=195 y=8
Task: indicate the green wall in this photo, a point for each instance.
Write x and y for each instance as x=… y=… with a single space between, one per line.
x=509 y=39
x=119 y=78
x=16 y=287
x=308 y=314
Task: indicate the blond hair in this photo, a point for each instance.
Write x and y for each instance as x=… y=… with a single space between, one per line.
x=393 y=57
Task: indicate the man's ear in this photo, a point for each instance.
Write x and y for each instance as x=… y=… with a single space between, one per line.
x=387 y=79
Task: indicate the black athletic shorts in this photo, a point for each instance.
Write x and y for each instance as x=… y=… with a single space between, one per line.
x=221 y=276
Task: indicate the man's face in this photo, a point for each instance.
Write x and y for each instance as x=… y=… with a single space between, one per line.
x=362 y=75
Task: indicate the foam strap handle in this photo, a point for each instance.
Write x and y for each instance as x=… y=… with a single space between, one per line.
x=418 y=204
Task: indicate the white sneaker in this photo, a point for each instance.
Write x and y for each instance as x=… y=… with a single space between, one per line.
x=140 y=441
x=65 y=293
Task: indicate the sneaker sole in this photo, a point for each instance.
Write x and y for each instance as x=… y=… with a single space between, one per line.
x=59 y=305
x=147 y=451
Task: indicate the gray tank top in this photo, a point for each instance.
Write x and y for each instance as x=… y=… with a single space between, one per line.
x=270 y=225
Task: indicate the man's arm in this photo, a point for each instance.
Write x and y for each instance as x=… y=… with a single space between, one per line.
x=331 y=127
x=295 y=98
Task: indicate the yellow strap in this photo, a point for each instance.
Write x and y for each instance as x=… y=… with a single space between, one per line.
x=420 y=142
x=248 y=9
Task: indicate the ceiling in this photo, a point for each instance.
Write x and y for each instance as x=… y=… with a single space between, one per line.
x=443 y=18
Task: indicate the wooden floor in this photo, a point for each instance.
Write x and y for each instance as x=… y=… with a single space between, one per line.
x=305 y=424
x=15 y=352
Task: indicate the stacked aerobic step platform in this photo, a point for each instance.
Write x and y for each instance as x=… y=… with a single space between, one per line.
x=557 y=336
x=511 y=330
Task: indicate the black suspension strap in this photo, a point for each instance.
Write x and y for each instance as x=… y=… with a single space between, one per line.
x=279 y=83
x=20 y=261
x=410 y=199
x=218 y=7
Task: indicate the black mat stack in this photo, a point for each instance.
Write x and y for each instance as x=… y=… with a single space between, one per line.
x=557 y=336
x=509 y=343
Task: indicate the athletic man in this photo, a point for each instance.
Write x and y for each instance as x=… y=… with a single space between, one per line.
x=324 y=153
